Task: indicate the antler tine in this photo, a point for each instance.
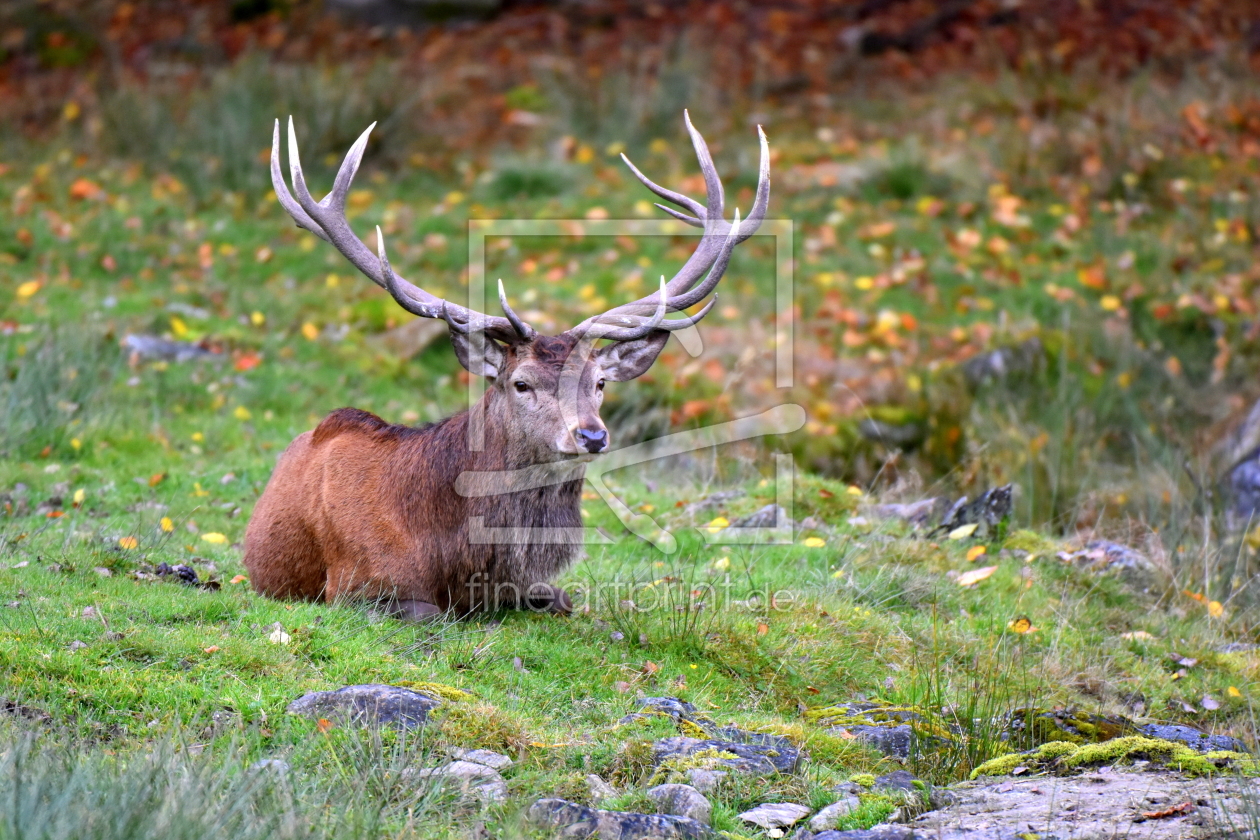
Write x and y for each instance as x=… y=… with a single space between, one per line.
x=715 y=198
x=282 y=190
x=713 y=253
x=327 y=220
x=669 y=195
x=522 y=328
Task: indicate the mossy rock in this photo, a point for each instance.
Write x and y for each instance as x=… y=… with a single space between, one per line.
x=439 y=690
x=1067 y=757
x=1030 y=727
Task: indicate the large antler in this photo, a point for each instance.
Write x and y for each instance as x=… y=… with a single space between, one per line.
x=327 y=220
x=628 y=321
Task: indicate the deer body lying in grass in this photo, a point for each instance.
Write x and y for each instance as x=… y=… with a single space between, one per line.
x=362 y=508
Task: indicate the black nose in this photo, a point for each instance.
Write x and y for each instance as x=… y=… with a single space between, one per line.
x=594 y=441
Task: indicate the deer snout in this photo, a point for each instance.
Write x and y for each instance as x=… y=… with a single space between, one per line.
x=592 y=440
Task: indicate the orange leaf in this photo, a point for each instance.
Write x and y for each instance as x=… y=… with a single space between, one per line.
x=1023 y=624
x=976 y=575
x=1196 y=596
x=156 y=479
x=650 y=667
x=239 y=579
x=1176 y=810
x=324 y=725
x=247 y=361
x=54 y=514
x=975 y=553
x=83 y=188
x=128 y=542
x=211 y=649
x=762 y=629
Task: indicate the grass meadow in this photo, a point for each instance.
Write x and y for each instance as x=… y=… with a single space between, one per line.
x=1098 y=237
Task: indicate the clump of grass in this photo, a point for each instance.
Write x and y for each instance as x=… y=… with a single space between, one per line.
x=53 y=387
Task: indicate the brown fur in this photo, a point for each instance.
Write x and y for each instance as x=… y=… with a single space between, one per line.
x=365 y=509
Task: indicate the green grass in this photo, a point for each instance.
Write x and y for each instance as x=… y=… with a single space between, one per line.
x=175 y=691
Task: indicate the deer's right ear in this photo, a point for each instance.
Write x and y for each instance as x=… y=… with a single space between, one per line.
x=492 y=359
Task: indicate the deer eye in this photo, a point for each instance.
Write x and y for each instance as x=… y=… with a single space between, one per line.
x=600 y=384
x=520 y=386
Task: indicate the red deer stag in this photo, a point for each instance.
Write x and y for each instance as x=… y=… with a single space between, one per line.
x=365 y=509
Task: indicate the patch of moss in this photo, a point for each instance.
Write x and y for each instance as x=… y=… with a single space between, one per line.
x=674 y=770
x=822 y=746
x=1034 y=727
x=1063 y=755
x=866 y=780
x=439 y=690
x=1031 y=542
x=481 y=725
x=924 y=723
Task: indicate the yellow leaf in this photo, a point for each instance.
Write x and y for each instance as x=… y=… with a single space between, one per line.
x=198 y=492
x=257 y=318
x=128 y=542
x=1232 y=691
x=310 y=331
x=975 y=553
x=76 y=444
x=213 y=537
x=814 y=542
x=79 y=496
x=178 y=328
x=241 y=413
x=854 y=490
x=976 y=575
x=167 y=524
x=1138 y=635
x=963 y=531
x=198 y=437
x=717 y=525
x=1109 y=303
x=27 y=289
x=722 y=564
x=1023 y=624
x=1215 y=609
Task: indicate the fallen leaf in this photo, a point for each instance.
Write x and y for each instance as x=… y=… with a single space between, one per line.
x=324 y=725
x=213 y=537
x=79 y=496
x=156 y=479
x=1138 y=635
x=650 y=667
x=167 y=525
x=717 y=524
x=128 y=543
x=1023 y=624
x=27 y=289
x=763 y=629
x=239 y=579
x=975 y=553
x=814 y=542
x=1174 y=811
x=963 y=531
x=825 y=493
x=211 y=649
x=1215 y=609
x=1233 y=691
x=976 y=575
x=1210 y=703
x=621 y=686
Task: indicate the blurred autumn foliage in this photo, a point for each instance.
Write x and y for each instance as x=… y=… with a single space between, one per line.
x=471 y=74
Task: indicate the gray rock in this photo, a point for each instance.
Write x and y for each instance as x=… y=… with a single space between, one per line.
x=681 y=801
x=879 y=832
x=770 y=516
x=775 y=815
x=1129 y=564
x=826 y=819
x=996 y=366
x=1192 y=737
x=571 y=820
x=748 y=760
x=896 y=741
x=920 y=513
x=486 y=757
x=898 y=780
x=387 y=705
x=471 y=780
x=599 y=789
x=712 y=502
x=706 y=781
x=1237 y=647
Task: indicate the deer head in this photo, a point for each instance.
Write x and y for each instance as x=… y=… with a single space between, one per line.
x=545 y=392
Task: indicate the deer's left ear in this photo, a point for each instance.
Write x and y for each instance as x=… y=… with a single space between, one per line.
x=625 y=360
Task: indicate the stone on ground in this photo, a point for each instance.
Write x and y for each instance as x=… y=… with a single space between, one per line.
x=571 y=820
x=775 y=816
x=681 y=801
x=827 y=818
x=471 y=780
x=387 y=705
x=486 y=757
